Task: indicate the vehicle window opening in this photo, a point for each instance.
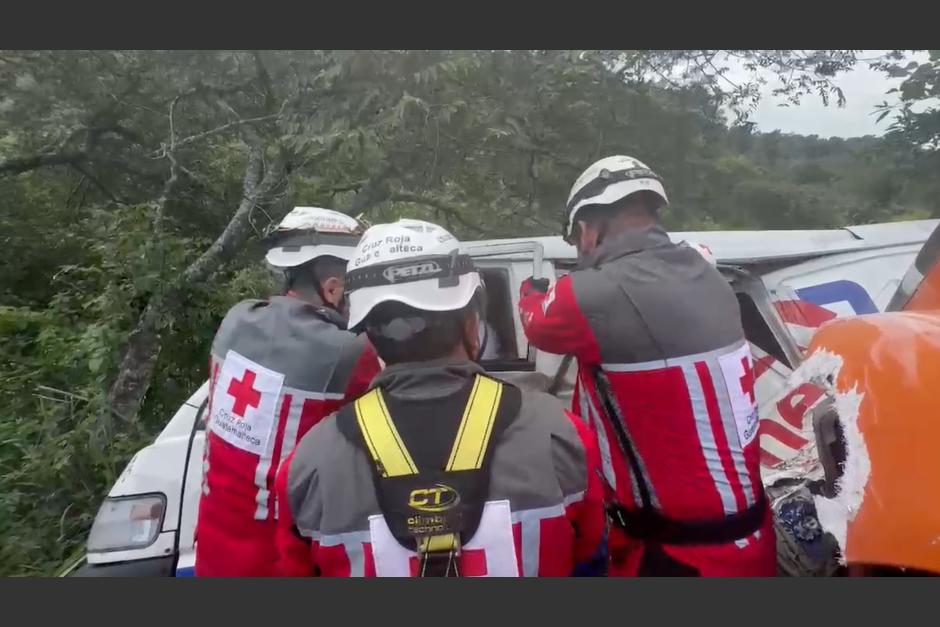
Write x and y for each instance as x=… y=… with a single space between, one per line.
x=501 y=343
x=757 y=331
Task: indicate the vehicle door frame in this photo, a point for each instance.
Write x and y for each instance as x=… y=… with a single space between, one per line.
x=199 y=426
x=513 y=258
x=746 y=282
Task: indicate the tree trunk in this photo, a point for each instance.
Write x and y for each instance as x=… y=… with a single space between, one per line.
x=138 y=364
x=143 y=348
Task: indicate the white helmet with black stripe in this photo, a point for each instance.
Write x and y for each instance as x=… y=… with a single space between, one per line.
x=310 y=232
x=412 y=262
x=608 y=181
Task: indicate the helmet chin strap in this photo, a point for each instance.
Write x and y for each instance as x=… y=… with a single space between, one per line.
x=480 y=298
x=481 y=348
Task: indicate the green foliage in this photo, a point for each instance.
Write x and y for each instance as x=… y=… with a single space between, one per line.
x=55 y=461
x=779 y=205
x=484 y=142
x=810 y=173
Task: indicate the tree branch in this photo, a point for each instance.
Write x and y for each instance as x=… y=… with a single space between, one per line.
x=219 y=129
x=206 y=90
x=168 y=185
x=81 y=181
x=25 y=164
x=143 y=349
x=256 y=190
x=668 y=80
x=449 y=208
x=264 y=78
x=721 y=74
x=121 y=131
x=64 y=155
x=347 y=187
x=172 y=129
x=90 y=177
x=169 y=152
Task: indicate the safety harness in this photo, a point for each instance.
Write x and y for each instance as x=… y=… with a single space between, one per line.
x=433 y=500
x=647 y=522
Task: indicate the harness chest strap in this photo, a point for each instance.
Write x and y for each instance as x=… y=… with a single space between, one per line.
x=388 y=451
x=468 y=451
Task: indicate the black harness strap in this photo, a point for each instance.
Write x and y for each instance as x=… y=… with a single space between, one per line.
x=650 y=525
x=647 y=523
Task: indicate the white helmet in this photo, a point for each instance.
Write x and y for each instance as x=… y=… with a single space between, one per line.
x=609 y=180
x=703 y=250
x=310 y=232
x=412 y=262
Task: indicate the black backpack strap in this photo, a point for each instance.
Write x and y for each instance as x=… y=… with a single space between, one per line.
x=616 y=420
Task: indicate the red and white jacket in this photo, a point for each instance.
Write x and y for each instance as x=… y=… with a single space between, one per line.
x=661 y=330
x=277 y=368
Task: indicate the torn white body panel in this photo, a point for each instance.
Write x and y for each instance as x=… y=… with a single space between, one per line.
x=802 y=463
x=822 y=368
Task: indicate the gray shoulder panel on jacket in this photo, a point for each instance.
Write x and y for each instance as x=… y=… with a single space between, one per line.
x=346 y=361
x=540 y=460
x=329 y=469
x=286 y=335
x=657 y=303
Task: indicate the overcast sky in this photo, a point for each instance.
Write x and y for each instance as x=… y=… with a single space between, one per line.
x=863 y=88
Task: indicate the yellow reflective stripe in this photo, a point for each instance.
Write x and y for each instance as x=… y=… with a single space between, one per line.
x=387 y=449
x=476 y=425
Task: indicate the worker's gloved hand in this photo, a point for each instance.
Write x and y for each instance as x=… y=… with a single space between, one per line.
x=534 y=285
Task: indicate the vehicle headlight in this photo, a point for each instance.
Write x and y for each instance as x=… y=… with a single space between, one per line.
x=127 y=522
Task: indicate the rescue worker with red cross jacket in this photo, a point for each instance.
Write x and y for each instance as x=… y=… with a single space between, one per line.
x=277 y=367
x=664 y=378
x=440 y=469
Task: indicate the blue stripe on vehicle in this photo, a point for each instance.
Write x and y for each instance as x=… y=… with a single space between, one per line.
x=836 y=291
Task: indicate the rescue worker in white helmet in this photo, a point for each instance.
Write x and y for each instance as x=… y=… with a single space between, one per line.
x=665 y=378
x=277 y=367
x=440 y=469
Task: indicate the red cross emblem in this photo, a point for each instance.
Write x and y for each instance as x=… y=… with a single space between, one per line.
x=244 y=393
x=747 y=379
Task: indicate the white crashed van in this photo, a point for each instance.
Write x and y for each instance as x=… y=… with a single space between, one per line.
x=787 y=284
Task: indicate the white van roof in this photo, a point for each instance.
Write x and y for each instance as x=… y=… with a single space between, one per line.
x=749 y=247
